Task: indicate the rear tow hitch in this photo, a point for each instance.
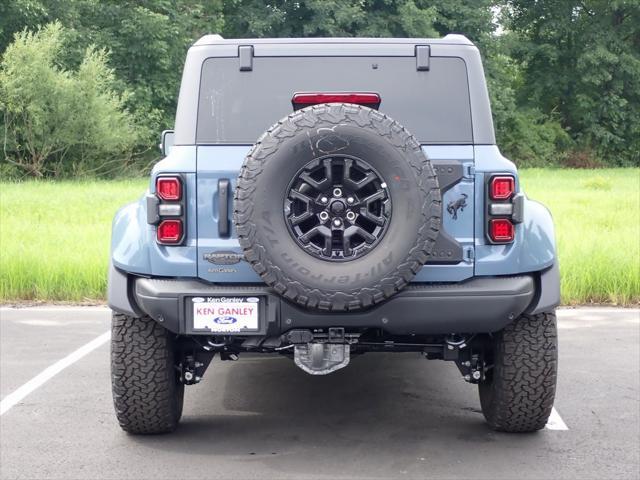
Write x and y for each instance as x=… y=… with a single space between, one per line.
x=192 y=366
x=188 y=369
x=321 y=353
x=470 y=362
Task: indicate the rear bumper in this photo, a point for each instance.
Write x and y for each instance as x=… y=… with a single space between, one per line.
x=479 y=305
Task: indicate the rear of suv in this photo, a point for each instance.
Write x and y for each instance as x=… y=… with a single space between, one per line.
x=324 y=198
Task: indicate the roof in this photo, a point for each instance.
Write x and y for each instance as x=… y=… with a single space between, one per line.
x=450 y=39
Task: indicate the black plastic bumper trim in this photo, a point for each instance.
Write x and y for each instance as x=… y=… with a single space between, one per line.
x=479 y=305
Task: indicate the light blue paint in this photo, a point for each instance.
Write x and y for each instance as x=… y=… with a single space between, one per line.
x=134 y=247
x=534 y=247
x=215 y=163
x=131 y=238
x=489 y=159
x=135 y=250
x=182 y=159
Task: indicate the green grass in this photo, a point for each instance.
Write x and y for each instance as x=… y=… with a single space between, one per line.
x=54 y=237
x=597 y=218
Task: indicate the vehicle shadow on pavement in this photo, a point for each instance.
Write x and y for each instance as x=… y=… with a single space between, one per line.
x=268 y=407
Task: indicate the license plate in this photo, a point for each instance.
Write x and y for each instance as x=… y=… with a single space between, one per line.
x=226 y=314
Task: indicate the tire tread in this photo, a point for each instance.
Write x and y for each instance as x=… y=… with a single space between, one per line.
x=521 y=394
x=345 y=299
x=146 y=395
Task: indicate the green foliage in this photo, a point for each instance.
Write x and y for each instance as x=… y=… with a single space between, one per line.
x=524 y=133
x=564 y=77
x=147 y=42
x=328 y=18
x=348 y=18
x=15 y=15
x=581 y=62
x=60 y=121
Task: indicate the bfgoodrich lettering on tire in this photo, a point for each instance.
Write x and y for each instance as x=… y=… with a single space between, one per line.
x=337 y=207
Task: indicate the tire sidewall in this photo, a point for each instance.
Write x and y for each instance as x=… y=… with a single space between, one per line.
x=405 y=191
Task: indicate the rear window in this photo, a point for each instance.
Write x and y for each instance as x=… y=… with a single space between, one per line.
x=236 y=107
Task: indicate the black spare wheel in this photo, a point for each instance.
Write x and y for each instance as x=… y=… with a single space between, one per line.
x=337 y=207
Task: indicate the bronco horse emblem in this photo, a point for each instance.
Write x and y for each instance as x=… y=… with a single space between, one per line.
x=456 y=205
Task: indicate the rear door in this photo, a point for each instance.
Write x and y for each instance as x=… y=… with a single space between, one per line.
x=239 y=99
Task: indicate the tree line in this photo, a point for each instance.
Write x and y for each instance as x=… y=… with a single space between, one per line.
x=87 y=85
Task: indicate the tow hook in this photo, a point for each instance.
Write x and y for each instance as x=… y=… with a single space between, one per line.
x=473 y=369
x=469 y=362
x=192 y=367
x=188 y=370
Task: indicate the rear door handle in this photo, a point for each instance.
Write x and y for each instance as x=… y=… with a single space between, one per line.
x=223 y=207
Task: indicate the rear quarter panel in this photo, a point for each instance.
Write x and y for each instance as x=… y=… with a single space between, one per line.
x=133 y=245
x=534 y=248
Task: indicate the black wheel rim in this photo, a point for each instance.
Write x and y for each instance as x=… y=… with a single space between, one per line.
x=337 y=208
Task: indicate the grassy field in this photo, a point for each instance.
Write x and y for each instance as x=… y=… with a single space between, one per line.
x=597 y=218
x=54 y=237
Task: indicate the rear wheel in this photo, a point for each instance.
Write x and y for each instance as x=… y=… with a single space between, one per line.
x=147 y=394
x=519 y=390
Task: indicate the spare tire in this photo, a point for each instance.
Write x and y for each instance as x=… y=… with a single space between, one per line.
x=337 y=207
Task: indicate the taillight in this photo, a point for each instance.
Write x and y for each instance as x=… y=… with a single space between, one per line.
x=169 y=231
x=502 y=187
x=504 y=208
x=166 y=209
x=169 y=188
x=501 y=230
x=301 y=100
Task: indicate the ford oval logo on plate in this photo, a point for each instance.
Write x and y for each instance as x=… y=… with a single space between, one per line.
x=226 y=320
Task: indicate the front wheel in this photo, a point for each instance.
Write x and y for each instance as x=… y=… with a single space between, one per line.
x=147 y=394
x=518 y=393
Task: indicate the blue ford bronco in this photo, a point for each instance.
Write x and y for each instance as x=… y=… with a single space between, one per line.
x=324 y=198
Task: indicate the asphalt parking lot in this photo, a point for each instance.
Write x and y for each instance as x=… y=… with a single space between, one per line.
x=385 y=416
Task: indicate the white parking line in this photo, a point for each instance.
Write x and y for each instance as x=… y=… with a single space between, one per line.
x=56 y=308
x=17 y=396
x=555 y=421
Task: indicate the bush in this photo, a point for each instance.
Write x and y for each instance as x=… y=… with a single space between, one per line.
x=524 y=134
x=60 y=122
x=582 y=158
x=532 y=139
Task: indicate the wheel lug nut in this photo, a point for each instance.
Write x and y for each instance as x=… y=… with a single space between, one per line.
x=337 y=192
x=324 y=216
x=324 y=199
x=350 y=200
x=351 y=216
x=337 y=222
